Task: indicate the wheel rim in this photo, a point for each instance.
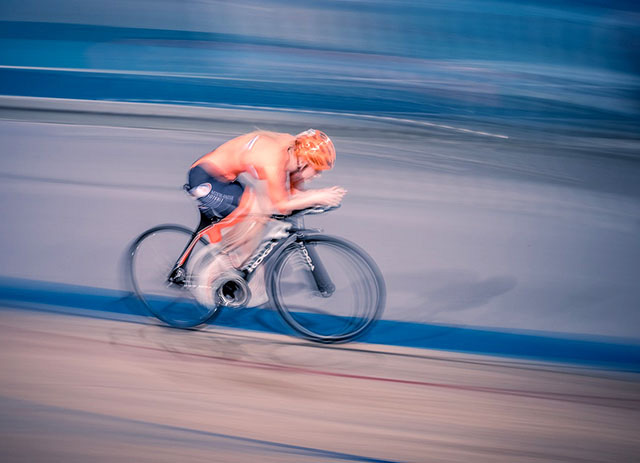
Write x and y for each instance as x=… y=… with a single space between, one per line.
x=152 y=259
x=356 y=302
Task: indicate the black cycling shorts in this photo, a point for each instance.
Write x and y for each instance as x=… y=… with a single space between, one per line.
x=216 y=198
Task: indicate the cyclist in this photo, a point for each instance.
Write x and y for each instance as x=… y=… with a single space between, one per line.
x=282 y=161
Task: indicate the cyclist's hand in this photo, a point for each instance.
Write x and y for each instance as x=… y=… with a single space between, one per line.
x=330 y=196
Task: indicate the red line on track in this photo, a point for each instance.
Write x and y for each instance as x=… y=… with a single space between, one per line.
x=565 y=397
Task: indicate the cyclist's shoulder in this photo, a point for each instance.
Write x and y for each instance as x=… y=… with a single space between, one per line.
x=267 y=147
x=272 y=138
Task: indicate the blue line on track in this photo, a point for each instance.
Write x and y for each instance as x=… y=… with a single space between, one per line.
x=85 y=423
x=613 y=353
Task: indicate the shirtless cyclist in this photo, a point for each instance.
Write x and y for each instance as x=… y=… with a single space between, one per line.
x=283 y=162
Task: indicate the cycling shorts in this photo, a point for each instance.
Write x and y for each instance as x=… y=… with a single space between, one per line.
x=216 y=198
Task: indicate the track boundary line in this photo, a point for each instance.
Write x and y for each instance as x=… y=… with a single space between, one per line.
x=557 y=396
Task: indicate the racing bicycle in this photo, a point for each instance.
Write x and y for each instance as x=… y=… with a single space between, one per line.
x=326 y=288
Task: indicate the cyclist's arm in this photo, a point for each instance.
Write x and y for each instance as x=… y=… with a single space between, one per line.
x=285 y=203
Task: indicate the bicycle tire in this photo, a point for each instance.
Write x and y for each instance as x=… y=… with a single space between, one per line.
x=174 y=305
x=327 y=320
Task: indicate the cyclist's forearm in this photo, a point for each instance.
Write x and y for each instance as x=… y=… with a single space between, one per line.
x=300 y=200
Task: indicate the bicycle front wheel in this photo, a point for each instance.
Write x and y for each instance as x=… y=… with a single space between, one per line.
x=152 y=257
x=327 y=289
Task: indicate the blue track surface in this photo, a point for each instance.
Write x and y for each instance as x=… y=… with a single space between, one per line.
x=590 y=351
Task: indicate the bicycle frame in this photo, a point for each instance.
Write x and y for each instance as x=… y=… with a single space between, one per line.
x=268 y=251
x=178 y=273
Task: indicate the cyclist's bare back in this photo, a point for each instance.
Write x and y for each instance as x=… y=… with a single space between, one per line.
x=284 y=162
x=271 y=157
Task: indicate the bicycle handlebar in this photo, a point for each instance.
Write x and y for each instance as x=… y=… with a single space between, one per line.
x=305 y=211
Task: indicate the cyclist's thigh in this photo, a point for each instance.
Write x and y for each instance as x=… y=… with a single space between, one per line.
x=216 y=199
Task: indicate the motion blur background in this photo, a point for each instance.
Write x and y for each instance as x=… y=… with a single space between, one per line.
x=499 y=138
x=490 y=150
x=528 y=60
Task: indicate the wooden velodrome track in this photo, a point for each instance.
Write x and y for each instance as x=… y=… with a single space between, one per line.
x=518 y=236
x=76 y=388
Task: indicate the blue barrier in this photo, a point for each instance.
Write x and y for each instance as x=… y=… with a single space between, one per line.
x=432 y=63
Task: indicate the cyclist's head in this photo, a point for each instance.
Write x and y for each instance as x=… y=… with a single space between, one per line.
x=315 y=148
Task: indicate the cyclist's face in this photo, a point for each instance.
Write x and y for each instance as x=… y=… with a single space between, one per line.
x=307 y=172
x=304 y=173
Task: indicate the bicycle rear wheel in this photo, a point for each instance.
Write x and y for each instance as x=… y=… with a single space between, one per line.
x=356 y=297
x=152 y=257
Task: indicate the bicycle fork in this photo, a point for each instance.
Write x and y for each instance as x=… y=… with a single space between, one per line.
x=319 y=272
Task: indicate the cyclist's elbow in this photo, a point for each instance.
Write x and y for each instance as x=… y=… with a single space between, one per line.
x=282 y=207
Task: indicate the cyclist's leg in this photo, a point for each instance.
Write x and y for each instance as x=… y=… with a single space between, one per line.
x=241 y=238
x=240 y=230
x=238 y=234
x=225 y=204
x=216 y=198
